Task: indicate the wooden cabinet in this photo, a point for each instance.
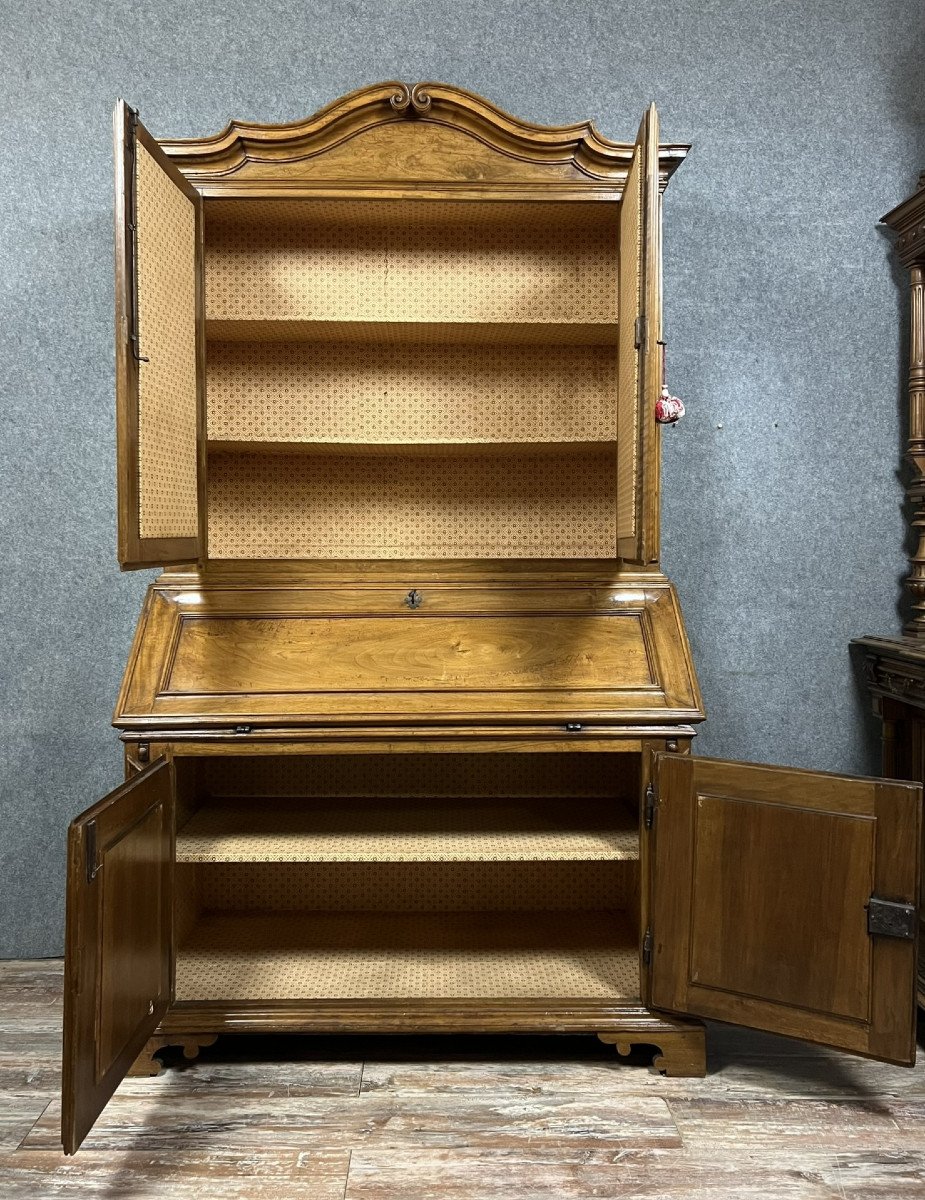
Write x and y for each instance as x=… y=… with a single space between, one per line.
x=407 y=717
x=895 y=666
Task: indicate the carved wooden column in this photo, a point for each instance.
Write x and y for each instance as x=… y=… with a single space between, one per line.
x=895 y=666
x=916 y=452
x=909 y=220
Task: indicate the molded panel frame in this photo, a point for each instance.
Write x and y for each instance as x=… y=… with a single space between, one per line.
x=737 y=919
x=119 y=959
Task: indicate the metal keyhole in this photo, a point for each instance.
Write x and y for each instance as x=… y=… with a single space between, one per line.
x=414 y=599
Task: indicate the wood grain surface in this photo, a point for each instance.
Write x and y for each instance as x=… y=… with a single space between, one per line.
x=514 y=1117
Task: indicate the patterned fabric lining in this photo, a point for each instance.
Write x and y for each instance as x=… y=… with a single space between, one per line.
x=406 y=393
x=387 y=777
x=167 y=404
x=342 y=260
x=384 y=955
x=628 y=391
x=351 y=830
x=539 y=506
x=414 y=886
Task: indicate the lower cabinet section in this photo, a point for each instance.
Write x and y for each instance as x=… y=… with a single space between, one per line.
x=469 y=876
x=230 y=890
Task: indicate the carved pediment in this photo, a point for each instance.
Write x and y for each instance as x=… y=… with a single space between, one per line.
x=391 y=133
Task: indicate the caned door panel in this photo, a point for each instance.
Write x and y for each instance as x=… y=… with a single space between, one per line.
x=160 y=402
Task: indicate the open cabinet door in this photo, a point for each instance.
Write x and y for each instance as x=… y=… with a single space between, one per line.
x=784 y=900
x=160 y=353
x=119 y=959
x=639 y=363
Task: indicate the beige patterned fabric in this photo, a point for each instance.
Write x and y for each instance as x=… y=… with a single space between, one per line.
x=413 y=260
x=320 y=395
x=415 y=886
x=539 y=506
x=361 y=830
x=390 y=777
x=355 y=955
x=167 y=393
x=628 y=390
x=420 y=333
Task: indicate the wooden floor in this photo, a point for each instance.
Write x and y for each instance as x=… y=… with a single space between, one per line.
x=441 y=1119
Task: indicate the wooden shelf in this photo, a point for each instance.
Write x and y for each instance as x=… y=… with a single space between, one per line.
x=353 y=955
x=423 y=449
x=564 y=333
x=361 y=830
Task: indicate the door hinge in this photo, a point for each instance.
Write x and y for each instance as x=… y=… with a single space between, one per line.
x=90 y=850
x=640 y=331
x=243 y=728
x=573 y=727
x=889 y=918
x=647 y=948
x=131 y=150
x=648 y=810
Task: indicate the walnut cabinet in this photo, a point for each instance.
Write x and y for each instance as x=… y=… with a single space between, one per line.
x=407 y=717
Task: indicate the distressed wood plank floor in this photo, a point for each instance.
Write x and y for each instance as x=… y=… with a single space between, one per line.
x=427 y=1118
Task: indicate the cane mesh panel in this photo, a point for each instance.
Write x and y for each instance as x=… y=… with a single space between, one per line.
x=167 y=385
x=628 y=407
x=385 y=955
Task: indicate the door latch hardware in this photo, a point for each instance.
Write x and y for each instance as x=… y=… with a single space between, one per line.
x=414 y=599
x=90 y=848
x=648 y=811
x=647 y=948
x=640 y=332
x=243 y=728
x=573 y=727
x=889 y=918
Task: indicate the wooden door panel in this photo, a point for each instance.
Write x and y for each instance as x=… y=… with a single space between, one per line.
x=160 y=353
x=119 y=942
x=639 y=351
x=762 y=878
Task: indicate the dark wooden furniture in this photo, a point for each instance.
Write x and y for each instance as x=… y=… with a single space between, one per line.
x=407 y=718
x=895 y=666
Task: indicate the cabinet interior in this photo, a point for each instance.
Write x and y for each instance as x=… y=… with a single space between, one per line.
x=413 y=875
x=411 y=378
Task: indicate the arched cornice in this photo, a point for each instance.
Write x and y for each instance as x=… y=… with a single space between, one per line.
x=579 y=149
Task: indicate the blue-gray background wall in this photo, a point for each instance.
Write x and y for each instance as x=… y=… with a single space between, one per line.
x=782 y=505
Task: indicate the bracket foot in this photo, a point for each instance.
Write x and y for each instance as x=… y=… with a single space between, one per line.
x=147 y=1065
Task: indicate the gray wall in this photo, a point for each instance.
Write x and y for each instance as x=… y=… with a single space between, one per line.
x=782 y=512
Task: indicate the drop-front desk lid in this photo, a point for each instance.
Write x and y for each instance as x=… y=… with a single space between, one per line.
x=408 y=646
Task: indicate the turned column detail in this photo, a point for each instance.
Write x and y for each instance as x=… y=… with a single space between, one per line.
x=908 y=222
x=915 y=454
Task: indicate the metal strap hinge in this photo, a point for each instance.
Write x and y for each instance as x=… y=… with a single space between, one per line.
x=890 y=918
x=648 y=812
x=640 y=331
x=647 y=948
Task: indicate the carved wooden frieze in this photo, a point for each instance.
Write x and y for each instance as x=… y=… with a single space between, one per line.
x=395 y=133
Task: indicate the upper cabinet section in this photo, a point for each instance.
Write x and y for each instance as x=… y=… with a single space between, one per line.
x=392 y=135
x=409 y=327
